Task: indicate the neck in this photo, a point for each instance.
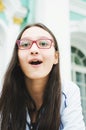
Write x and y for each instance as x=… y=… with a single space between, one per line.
x=36 y=89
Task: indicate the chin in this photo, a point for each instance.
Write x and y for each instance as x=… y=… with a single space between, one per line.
x=38 y=77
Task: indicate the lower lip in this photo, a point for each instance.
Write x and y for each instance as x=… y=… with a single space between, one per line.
x=36 y=66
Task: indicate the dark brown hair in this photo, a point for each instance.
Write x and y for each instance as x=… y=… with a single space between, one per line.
x=15 y=98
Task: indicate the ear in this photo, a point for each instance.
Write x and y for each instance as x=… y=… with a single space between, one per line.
x=56 y=57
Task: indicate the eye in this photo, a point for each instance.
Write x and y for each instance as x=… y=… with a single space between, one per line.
x=25 y=43
x=43 y=43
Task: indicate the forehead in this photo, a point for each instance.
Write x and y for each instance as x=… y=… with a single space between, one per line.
x=36 y=32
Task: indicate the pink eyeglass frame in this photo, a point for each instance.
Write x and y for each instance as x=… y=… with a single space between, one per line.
x=33 y=42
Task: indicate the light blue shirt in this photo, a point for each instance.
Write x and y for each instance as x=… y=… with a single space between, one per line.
x=71 y=110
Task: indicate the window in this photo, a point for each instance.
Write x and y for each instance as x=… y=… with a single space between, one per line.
x=79 y=74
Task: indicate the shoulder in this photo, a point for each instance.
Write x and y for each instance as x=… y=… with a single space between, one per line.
x=70 y=92
x=69 y=87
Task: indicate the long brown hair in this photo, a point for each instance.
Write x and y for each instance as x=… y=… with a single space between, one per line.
x=15 y=98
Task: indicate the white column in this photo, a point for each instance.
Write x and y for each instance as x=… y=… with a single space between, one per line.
x=55 y=14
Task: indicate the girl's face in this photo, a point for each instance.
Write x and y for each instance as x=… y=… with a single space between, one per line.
x=37 y=63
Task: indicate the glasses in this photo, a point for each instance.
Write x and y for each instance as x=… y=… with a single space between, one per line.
x=41 y=43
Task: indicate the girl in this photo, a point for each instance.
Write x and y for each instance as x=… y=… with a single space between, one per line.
x=33 y=96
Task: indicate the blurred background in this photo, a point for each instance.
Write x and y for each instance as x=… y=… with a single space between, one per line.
x=67 y=20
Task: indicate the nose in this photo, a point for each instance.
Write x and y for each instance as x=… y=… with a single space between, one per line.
x=34 y=50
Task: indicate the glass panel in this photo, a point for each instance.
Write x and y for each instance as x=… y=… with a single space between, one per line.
x=80 y=54
x=72 y=58
x=85 y=84
x=73 y=49
x=81 y=92
x=77 y=61
x=84 y=61
x=85 y=79
x=78 y=77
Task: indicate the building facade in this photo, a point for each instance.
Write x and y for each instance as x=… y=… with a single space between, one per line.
x=78 y=47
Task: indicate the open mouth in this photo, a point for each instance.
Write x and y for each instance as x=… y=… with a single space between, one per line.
x=35 y=62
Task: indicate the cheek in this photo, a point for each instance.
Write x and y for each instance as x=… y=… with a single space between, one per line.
x=21 y=58
x=22 y=55
x=48 y=63
x=50 y=57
